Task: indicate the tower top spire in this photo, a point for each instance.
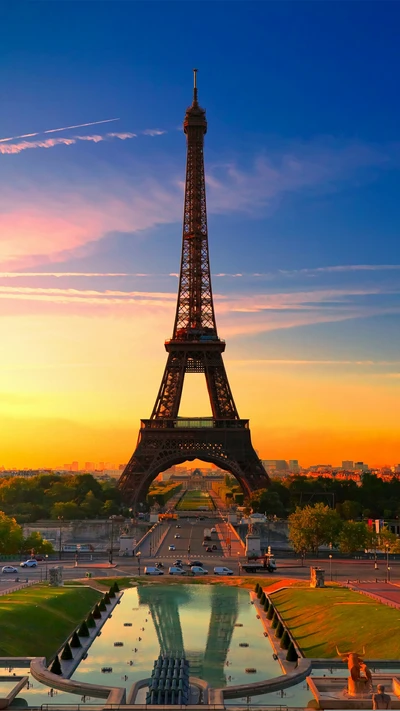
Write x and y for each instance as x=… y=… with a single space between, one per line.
x=195 y=116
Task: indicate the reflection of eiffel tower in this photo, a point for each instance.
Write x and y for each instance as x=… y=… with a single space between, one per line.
x=208 y=665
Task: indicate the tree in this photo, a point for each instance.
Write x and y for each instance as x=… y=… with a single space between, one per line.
x=75 y=641
x=353 y=537
x=37 y=543
x=66 y=653
x=291 y=653
x=312 y=527
x=56 y=666
x=69 y=511
x=11 y=537
x=349 y=510
x=285 y=640
x=83 y=630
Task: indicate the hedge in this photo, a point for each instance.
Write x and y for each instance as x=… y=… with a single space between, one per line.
x=291 y=653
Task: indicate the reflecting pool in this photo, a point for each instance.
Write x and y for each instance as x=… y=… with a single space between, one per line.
x=207 y=623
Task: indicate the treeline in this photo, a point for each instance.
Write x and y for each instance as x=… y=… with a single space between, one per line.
x=373 y=498
x=160 y=493
x=69 y=497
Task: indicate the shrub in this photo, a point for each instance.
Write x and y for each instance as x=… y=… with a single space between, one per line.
x=56 y=667
x=256 y=587
x=260 y=592
x=266 y=605
x=263 y=598
x=115 y=586
x=66 y=653
x=83 y=630
x=275 y=621
x=291 y=653
x=279 y=630
x=111 y=592
x=75 y=641
x=285 y=640
x=102 y=605
x=91 y=621
x=270 y=612
x=96 y=613
x=106 y=599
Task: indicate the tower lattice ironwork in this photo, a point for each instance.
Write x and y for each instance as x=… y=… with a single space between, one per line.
x=166 y=439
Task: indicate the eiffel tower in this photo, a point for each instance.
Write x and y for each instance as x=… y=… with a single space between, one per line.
x=166 y=439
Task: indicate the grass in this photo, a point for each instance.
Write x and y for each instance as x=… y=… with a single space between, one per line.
x=124 y=582
x=321 y=619
x=193 y=500
x=35 y=621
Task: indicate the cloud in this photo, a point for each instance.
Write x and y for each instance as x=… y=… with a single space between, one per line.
x=153 y=132
x=11 y=275
x=14 y=148
x=55 y=130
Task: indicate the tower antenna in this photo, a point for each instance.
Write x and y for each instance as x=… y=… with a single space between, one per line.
x=195 y=86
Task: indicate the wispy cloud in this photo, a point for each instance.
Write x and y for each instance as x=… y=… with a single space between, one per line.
x=153 y=132
x=14 y=148
x=10 y=275
x=56 y=130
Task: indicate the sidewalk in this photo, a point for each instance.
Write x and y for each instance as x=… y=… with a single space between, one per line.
x=386 y=593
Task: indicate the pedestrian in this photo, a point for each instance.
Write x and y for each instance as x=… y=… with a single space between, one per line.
x=381 y=700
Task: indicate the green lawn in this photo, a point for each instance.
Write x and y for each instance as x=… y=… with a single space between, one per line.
x=36 y=620
x=322 y=619
x=193 y=500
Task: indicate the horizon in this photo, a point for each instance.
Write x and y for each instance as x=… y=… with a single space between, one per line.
x=302 y=170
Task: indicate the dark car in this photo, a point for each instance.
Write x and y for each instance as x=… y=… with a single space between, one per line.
x=214 y=547
x=159 y=565
x=39 y=557
x=208 y=549
x=195 y=562
x=178 y=562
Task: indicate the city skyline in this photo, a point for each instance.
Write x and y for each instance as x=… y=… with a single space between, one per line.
x=302 y=176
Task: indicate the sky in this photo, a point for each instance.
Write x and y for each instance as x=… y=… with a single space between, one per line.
x=302 y=163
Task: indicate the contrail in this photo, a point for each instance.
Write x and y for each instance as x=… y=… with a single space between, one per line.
x=54 y=130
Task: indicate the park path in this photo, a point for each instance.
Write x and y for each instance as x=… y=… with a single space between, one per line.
x=387 y=593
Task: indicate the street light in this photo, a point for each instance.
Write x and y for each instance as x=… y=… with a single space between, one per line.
x=61 y=519
x=138 y=554
x=330 y=565
x=387 y=564
x=46 y=558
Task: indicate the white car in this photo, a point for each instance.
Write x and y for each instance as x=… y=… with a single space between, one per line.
x=29 y=564
x=213 y=530
x=199 y=570
x=152 y=571
x=9 y=569
x=177 y=535
x=171 y=548
x=174 y=570
x=223 y=571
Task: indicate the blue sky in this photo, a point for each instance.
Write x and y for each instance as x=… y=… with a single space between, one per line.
x=302 y=162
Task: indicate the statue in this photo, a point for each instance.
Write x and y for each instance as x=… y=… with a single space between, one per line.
x=360 y=680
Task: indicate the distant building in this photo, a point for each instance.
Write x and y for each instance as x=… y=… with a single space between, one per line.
x=294 y=466
x=361 y=466
x=272 y=465
x=89 y=466
x=347 y=464
x=75 y=467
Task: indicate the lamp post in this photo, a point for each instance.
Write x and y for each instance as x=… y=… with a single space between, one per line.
x=46 y=559
x=138 y=554
x=387 y=564
x=330 y=566
x=61 y=519
x=110 y=557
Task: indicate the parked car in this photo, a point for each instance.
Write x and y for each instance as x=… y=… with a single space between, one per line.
x=214 y=547
x=175 y=570
x=171 y=548
x=198 y=570
x=195 y=562
x=221 y=570
x=208 y=549
x=213 y=530
x=9 y=569
x=179 y=563
x=159 y=565
x=31 y=563
x=149 y=570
